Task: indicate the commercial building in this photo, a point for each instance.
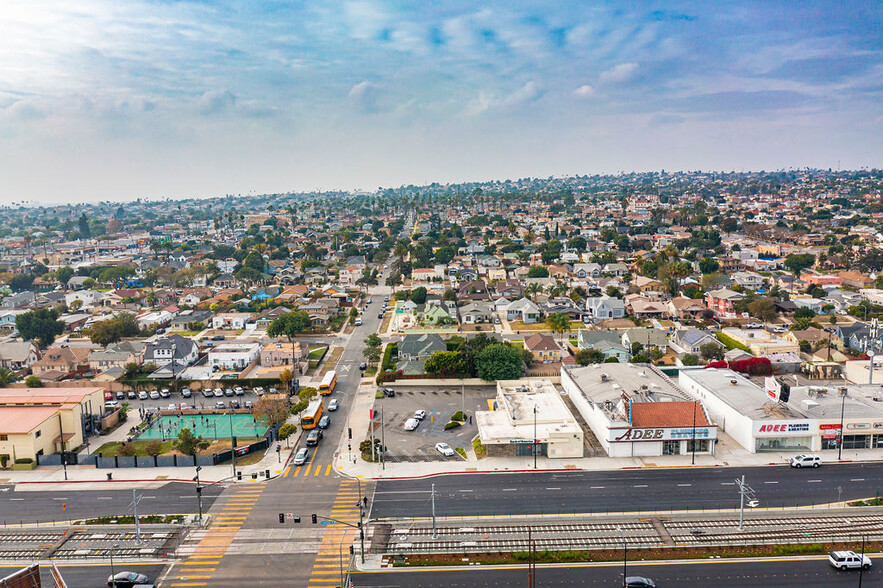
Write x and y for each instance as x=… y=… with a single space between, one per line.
x=43 y=421
x=526 y=412
x=233 y=356
x=635 y=410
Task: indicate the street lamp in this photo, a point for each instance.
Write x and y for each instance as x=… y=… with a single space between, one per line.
x=535 y=437
x=198 y=493
x=113 y=580
x=693 y=459
x=625 y=552
x=843 y=392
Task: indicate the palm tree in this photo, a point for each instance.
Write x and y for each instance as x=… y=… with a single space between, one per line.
x=6 y=376
x=558 y=323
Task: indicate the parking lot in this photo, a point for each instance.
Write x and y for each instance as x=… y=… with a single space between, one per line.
x=197 y=399
x=440 y=404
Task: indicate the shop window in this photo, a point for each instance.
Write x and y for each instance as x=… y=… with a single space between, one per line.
x=671 y=447
x=701 y=446
x=4 y=437
x=856 y=441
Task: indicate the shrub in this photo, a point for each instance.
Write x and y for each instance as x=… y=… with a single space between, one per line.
x=286 y=430
x=153 y=448
x=299 y=407
x=458 y=416
x=33 y=382
x=127 y=450
x=24 y=460
x=307 y=392
x=452 y=425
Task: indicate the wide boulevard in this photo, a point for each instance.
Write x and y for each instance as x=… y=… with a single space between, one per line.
x=623 y=490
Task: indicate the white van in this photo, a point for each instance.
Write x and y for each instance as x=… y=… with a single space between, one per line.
x=807 y=460
x=411 y=424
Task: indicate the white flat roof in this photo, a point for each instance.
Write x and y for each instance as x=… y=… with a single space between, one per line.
x=741 y=394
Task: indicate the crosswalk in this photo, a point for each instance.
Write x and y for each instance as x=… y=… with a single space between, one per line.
x=333 y=560
x=309 y=470
x=216 y=539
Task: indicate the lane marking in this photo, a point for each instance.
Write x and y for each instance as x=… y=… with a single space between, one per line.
x=857 y=480
x=772 y=482
x=684 y=485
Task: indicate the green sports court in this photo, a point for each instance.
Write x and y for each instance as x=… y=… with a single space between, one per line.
x=208 y=426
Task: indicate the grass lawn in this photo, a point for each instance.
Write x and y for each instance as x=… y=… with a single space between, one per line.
x=574 y=342
x=517 y=343
x=112 y=448
x=371 y=371
x=316 y=353
x=187 y=333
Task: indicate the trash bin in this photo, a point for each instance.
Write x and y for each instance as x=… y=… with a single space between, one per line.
x=110 y=475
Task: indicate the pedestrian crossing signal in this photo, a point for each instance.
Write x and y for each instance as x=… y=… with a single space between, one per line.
x=315 y=520
x=282 y=517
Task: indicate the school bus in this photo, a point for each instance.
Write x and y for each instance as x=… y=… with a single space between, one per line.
x=309 y=418
x=329 y=381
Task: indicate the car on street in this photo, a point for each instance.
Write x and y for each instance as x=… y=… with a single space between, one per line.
x=849 y=560
x=411 y=424
x=332 y=406
x=324 y=422
x=186 y=393
x=389 y=392
x=220 y=405
x=368 y=302
x=142 y=395
x=806 y=460
x=639 y=582
x=444 y=449
x=754 y=326
x=380 y=315
x=419 y=414
x=128 y=580
x=359 y=322
x=154 y=395
x=363 y=366
x=300 y=458
x=218 y=338
x=314 y=437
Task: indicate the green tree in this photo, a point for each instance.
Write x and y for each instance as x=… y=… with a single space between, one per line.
x=125 y=324
x=804 y=312
x=797 y=262
x=255 y=261
x=557 y=323
x=499 y=361
x=288 y=325
x=711 y=352
x=371 y=352
x=690 y=359
x=33 y=382
x=709 y=266
x=189 y=444
x=63 y=274
x=418 y=295
x=83 y=225
x=537 y=271
x=21 y=282
x=6 y=377
x=446 y=364
x=589 y=356
x=450 y=295
x=153 y=448
x=763 y=308
x=41 y=325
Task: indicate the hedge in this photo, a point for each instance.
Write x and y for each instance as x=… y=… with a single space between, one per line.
x=731 y=343
x=452 y=425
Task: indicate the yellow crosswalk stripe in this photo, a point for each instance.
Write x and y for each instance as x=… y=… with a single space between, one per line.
x=318 y=470
x=286 y=472
x=307 y=470
x=328 y=469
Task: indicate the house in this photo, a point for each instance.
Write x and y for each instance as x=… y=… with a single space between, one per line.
x=723 y=302
x=472 y=291
x=692 y=340
x=7 y=318
x=175 y=348
x=748 y=280
x=477 y=312
x=420 y=346
x=651 y=288
x=19 y=300
x=262 y=319
x=15 y=355
x=649 y=338
x=543 y=347
x=683 y=307
x=437 y=314
x=642 y=307
x=61 y=361
x=605 y=307
x=525 y=310
x=101 y=360
x=154 y=319
x=564 y=306
x=234 y=356
x=284 y=353
x=587 y=270
x=85 y=297
x=616 y=269
x=230 y=320
x=811 y=335
x=607 y=342
x=192 y=318
x=350 y=274
x=224 y=281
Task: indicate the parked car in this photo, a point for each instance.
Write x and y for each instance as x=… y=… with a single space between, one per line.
x=300 y=458
x=314 y=437
x=172 y=406
x=368 y=302
x=120 y=395
x=444 y=449
x=238 y=391
x=411 y=424
x=249 y=404
x=128 y=580
x=111 y=404
x=363 y=366
x=359 y=322
x=380 y=315
x=229 y=392
x=131 y=395
x=324 y=422
x=259 y=391
x=207 y=393
x=754 y=326
x=220 y=405
x=849 y=560
x=419 y=414
x=142 y=395
x=639 y=582
x=332 y=406
x=218 y=338
x=165 y=393
x=807 y=460
x=389 y=392
x=218 y=392
x=154 y=395
x=186 y=393
x=234 y=403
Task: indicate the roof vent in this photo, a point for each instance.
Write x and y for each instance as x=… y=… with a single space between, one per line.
x=732 y=382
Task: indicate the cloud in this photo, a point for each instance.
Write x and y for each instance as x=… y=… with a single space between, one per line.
x=584 y=91
x=619 y=74
x=215 y=101
x=26 y=109
x=527 y=93
x=364 y=96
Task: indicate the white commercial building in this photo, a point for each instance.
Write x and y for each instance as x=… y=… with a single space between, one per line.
x=526 y=412
x=233 y=356
x=635 y=410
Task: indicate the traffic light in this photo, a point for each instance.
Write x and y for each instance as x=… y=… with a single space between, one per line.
x=296 y=519
x=315 y=520
x=350 y=432
x=352 y=551
x=281 y=518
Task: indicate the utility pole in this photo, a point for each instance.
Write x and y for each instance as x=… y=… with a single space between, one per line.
x=434 y=529
x=625 y=553
x=113 y=580
x=745 y=491
x=843 y=392
x=535 y=437
x=134 y=505
x=693 y=459
x=198 y=493
x=861 y=568
x=382 y=439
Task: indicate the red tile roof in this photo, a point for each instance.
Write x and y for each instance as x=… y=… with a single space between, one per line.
x=667 y=414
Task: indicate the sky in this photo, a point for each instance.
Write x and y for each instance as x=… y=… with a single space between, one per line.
x=115 y=100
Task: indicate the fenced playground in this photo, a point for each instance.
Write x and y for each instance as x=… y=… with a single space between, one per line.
x=207 y=426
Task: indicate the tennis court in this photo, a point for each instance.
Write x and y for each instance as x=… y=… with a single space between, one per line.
x=208 y=426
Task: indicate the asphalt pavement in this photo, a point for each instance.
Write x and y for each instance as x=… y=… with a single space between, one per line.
x=91 y=575
x=623 y=491
x=806 y=573
x=76 y=503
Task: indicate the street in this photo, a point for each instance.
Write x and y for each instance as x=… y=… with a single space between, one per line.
x=622 y=490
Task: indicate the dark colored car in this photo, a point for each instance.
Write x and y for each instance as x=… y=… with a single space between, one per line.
x=363 y=366
x=128 y=580
x=389 y=392
x=218 y=338
x=639 y=582
x=314 y=437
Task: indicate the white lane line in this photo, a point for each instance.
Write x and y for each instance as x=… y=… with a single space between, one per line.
x=16 y=499
x=639 y=486
x=465 y=490
x=104 y=498
x=510 y=489
x=773 y=482
x=813 y=481
x=684 y=485
x=728 y=483
x=553 y=488
x=59 y=499
x=857 y=480
x=595 y=487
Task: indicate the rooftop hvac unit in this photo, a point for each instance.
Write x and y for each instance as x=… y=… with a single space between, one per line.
x=604 y=377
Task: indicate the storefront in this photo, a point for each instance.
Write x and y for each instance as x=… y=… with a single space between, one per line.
x=866 y=435
x=636 y=442
x=783 y=436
